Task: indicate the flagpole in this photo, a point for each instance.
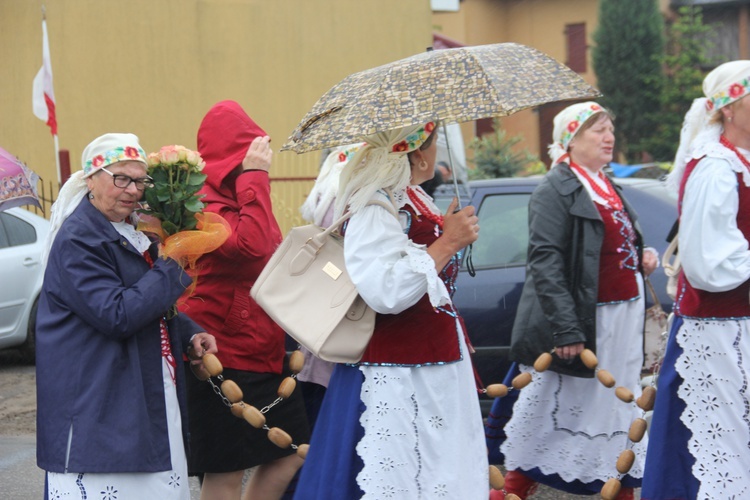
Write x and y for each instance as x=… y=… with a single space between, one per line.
x=56 y=141
x=43 y=96
x=57 y=161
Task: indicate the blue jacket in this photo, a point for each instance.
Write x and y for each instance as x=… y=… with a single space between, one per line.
x=100 y=392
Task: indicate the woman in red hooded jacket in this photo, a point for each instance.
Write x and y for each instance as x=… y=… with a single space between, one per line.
x=238 y=156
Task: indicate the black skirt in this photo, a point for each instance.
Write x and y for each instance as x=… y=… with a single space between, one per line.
x=221 y=442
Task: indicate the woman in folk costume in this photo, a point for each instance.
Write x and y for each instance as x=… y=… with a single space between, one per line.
x=111 y=411
x=700 y=433
x=403 y=423
x=583 y=289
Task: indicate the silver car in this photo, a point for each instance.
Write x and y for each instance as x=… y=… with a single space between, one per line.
x=22 y=236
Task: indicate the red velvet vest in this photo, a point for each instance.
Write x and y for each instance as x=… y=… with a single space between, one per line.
x=618 y=259
x=695 y=303
x=421 y=334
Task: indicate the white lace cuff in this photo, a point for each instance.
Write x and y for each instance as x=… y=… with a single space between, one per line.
x=421 y=262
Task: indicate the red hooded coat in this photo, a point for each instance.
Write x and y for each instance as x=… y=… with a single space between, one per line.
x=247 y=337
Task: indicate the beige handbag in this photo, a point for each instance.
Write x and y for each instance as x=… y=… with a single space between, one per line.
x=306 y=290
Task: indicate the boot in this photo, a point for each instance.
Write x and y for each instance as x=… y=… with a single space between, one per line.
x=519 y=484
x=625 y=494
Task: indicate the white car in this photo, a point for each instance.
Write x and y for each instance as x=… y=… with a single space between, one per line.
x=22 y=236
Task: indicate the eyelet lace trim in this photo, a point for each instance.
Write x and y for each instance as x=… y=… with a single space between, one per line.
x=714 y=368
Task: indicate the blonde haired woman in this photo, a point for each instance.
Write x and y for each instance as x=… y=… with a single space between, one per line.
x=405 y=421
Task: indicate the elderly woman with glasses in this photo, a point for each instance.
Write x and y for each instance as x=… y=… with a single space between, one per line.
x=110 y=399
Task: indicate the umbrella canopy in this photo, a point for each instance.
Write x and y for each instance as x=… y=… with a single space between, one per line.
x=17 y=183
x=451 y=85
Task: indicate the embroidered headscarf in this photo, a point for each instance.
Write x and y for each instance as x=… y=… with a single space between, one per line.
x=727 y=83
x=111 y=148
x=381 y=163
x=567 y=123
x=103 y=151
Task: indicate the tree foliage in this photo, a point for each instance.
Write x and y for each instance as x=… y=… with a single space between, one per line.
x=683 y=62
x=495 y=155
x=627 y=61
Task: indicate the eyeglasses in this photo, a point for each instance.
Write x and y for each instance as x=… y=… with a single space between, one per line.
x=123 y=181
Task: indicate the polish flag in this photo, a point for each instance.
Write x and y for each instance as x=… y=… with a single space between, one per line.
x=43 y=97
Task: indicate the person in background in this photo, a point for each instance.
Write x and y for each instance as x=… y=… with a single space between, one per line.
x=111 y=415
x=700 y=432
x=318 y=209
x=238 y=157
x=584 y=289
x=429 y=186
x=445 y=171
x=404 y=422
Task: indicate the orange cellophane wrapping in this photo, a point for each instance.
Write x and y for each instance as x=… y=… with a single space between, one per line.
x=186 y=247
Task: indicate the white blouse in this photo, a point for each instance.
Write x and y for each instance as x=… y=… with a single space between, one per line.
x=390 y=271
x=713 y=251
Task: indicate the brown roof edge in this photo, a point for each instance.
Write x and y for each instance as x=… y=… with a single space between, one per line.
x=443 y=42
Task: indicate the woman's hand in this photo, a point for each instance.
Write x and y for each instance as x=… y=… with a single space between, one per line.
x=650 y=262
x=459 y=229
x=259 y=154
x=569 y=351
x=201 y=344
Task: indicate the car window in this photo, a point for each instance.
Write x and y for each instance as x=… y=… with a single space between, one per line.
x=444 y=194
x=503 y=231
x=15 y=231
x=4 y=243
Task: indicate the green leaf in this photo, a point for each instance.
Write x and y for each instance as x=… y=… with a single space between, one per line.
x=196 y=179
x=169 y=227
x=151 y=197
x=194 y=205
x=159 y=175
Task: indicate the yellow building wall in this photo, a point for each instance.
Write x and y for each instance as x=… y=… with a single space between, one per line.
x=154 y=67
x=537 y=23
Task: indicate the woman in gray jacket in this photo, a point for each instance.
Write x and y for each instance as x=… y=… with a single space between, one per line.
x=583 y=289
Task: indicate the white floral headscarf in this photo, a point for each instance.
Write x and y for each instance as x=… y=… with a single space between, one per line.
x=103 y=151
x=567 y=123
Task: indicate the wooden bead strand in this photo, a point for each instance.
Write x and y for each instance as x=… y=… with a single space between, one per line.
x=542 y=363
x=635 y=434
x=232 y=395
x=638 y=428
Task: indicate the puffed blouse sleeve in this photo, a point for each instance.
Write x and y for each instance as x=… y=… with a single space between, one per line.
x=713 y=251
x=390 y=272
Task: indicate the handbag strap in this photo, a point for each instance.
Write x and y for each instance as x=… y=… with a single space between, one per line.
x=321 y=238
